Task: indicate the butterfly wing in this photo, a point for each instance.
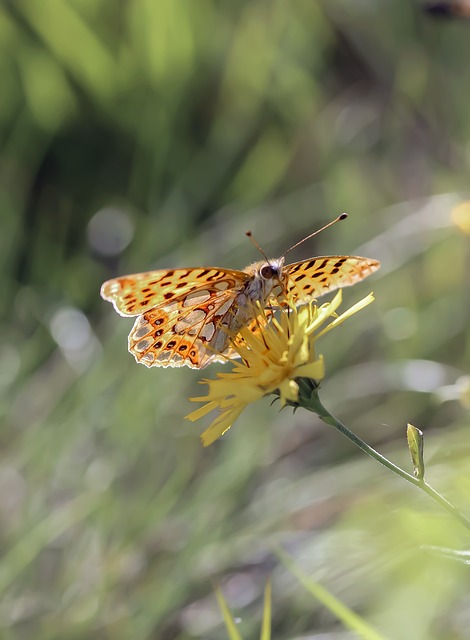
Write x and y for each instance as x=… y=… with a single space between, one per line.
x=179 y=313
x=312 y=278
x=133 y=295
x=178 y=334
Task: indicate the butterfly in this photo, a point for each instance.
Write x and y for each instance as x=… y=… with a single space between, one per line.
x=187 y=316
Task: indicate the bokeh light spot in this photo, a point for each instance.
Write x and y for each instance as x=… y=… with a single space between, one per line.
x=70 y=328
x=423 y=375
x=110 y=231
x=460 y=216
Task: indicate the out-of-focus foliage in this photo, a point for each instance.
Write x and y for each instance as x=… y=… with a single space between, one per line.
x=152 y=133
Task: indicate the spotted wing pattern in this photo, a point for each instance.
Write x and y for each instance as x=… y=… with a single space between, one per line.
x=313 y=278
x=184 y=314
x=180 y=334
x=179 y=312
x=135 y=294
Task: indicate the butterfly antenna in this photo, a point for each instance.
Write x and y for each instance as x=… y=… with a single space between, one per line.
x=250 y=235
x=343 y=216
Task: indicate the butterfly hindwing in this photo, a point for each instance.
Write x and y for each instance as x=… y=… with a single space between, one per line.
x=174 y=335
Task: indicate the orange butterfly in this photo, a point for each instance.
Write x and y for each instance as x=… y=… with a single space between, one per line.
x=186 y=316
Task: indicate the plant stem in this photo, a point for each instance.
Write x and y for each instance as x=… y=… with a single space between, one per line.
x=314 y=404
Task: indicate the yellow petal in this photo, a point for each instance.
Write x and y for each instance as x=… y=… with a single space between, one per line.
x=245 y=390
x=220 y=425
x=314 y=370
x=289 y=391
x=347 y=314
x=202 y=411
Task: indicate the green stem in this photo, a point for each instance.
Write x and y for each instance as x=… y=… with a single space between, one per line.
x=314 y=404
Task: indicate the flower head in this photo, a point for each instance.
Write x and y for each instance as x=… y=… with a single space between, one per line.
x=273 y=357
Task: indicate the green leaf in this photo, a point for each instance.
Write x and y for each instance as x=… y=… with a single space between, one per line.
x=415 y=445
x=266 y=628
x=350 y=619
x=228 y=618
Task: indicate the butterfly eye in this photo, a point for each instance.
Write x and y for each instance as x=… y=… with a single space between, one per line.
x=268 y=272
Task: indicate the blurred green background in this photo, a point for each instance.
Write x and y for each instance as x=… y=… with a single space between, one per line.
x=153 y=133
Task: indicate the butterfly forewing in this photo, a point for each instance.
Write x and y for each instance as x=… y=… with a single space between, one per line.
x=313 y=278
x=135 y=294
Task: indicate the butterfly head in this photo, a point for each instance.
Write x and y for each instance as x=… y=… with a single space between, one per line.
x=267 y=271
x=271 y=270
x=267 y=275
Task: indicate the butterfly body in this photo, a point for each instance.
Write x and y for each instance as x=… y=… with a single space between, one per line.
x=189 y=316
x=263 y=278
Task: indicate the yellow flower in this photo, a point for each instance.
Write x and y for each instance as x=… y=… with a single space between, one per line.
x=272 y=359
x=461 y=216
